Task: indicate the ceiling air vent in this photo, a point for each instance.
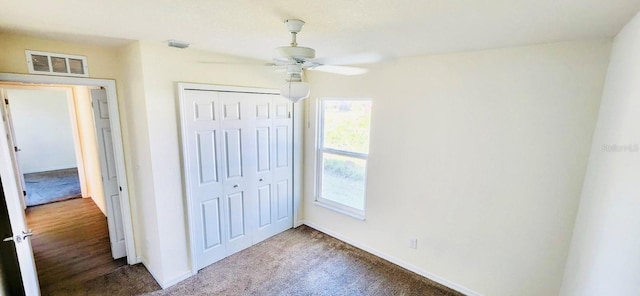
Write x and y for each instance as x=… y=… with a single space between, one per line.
x=57 y=64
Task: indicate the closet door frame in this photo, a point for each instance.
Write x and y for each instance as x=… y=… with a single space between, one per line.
x=298 y=124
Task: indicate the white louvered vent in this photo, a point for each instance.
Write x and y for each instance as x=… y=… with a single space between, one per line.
x=57 y=64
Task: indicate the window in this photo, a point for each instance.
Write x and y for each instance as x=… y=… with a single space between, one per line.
x=343 y=149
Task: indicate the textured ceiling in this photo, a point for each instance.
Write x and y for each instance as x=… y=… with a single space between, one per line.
x=252 y=28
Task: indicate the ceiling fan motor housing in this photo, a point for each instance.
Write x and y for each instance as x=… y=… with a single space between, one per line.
x=298 y=54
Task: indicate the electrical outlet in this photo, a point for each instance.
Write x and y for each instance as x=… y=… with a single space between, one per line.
x=413 y=243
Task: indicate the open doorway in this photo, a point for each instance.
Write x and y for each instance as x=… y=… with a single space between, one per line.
x=94 y=232
x=46 y=144
x=54 y=133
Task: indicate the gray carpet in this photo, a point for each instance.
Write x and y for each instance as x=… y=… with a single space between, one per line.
x=300 y=261
x=51 y=186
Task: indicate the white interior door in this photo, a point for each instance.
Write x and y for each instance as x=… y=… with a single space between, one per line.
x=16 y=149
x=238 y=159
x=109 y=175
x=13 y=192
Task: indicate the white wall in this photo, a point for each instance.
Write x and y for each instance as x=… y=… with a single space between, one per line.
x=43 y=129
x=479 y=155
x=605 y=251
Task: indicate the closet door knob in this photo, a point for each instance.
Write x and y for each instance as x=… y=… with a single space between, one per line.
x=235 y=186
x=260 y=180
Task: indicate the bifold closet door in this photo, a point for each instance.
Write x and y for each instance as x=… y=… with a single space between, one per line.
x=239 y=164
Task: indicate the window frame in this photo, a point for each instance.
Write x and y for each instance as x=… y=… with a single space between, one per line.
x=321 y=150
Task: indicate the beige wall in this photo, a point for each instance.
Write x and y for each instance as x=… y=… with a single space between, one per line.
x=103 y=61
x=479 y=155
x=605 y=251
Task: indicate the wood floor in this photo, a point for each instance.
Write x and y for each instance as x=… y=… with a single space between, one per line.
x=70 y=243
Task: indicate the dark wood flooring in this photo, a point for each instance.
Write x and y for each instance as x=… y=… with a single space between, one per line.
x=70 y=243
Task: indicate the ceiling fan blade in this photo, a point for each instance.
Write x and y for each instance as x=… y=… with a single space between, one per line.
x=237 y=63
x=342 y=70
x=357 y=59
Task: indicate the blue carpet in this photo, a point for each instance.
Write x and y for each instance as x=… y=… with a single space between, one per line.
x=52 y=186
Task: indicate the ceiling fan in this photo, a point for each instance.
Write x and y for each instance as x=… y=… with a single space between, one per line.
x=296 y=58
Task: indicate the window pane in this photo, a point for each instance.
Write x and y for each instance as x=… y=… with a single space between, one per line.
x=343 y=180
x=346 y=125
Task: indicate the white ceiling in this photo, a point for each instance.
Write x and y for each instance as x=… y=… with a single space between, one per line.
x=252 y=28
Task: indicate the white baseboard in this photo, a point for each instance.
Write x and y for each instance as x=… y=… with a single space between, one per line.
x=146 y=265
x=134 y=260
x=298 y=223
x=394 y=260
x=166 y=284
x=177 y=279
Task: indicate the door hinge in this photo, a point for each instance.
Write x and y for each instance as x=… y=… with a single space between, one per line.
x=120 y=188
x=16 y=149
x=24 y=192
x=289 y=114
x=6 y=101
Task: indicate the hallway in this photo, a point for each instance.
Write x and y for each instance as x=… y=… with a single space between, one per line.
x=70 y=243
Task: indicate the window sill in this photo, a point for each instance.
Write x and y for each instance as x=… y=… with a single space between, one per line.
x=341 y=211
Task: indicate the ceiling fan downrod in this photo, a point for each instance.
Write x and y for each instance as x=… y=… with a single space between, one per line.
x=294 y=26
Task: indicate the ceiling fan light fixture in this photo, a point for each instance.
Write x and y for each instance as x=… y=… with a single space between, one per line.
x=295 y=91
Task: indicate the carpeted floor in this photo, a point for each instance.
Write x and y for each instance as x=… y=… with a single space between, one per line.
x=300 y=261
x=51 y=186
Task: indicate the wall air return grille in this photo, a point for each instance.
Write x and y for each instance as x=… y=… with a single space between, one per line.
x=57 y=64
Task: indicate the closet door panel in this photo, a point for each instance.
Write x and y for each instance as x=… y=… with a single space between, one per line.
x=202 y=153
x=282 y=144
x=262 y=124
x=239 y=160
